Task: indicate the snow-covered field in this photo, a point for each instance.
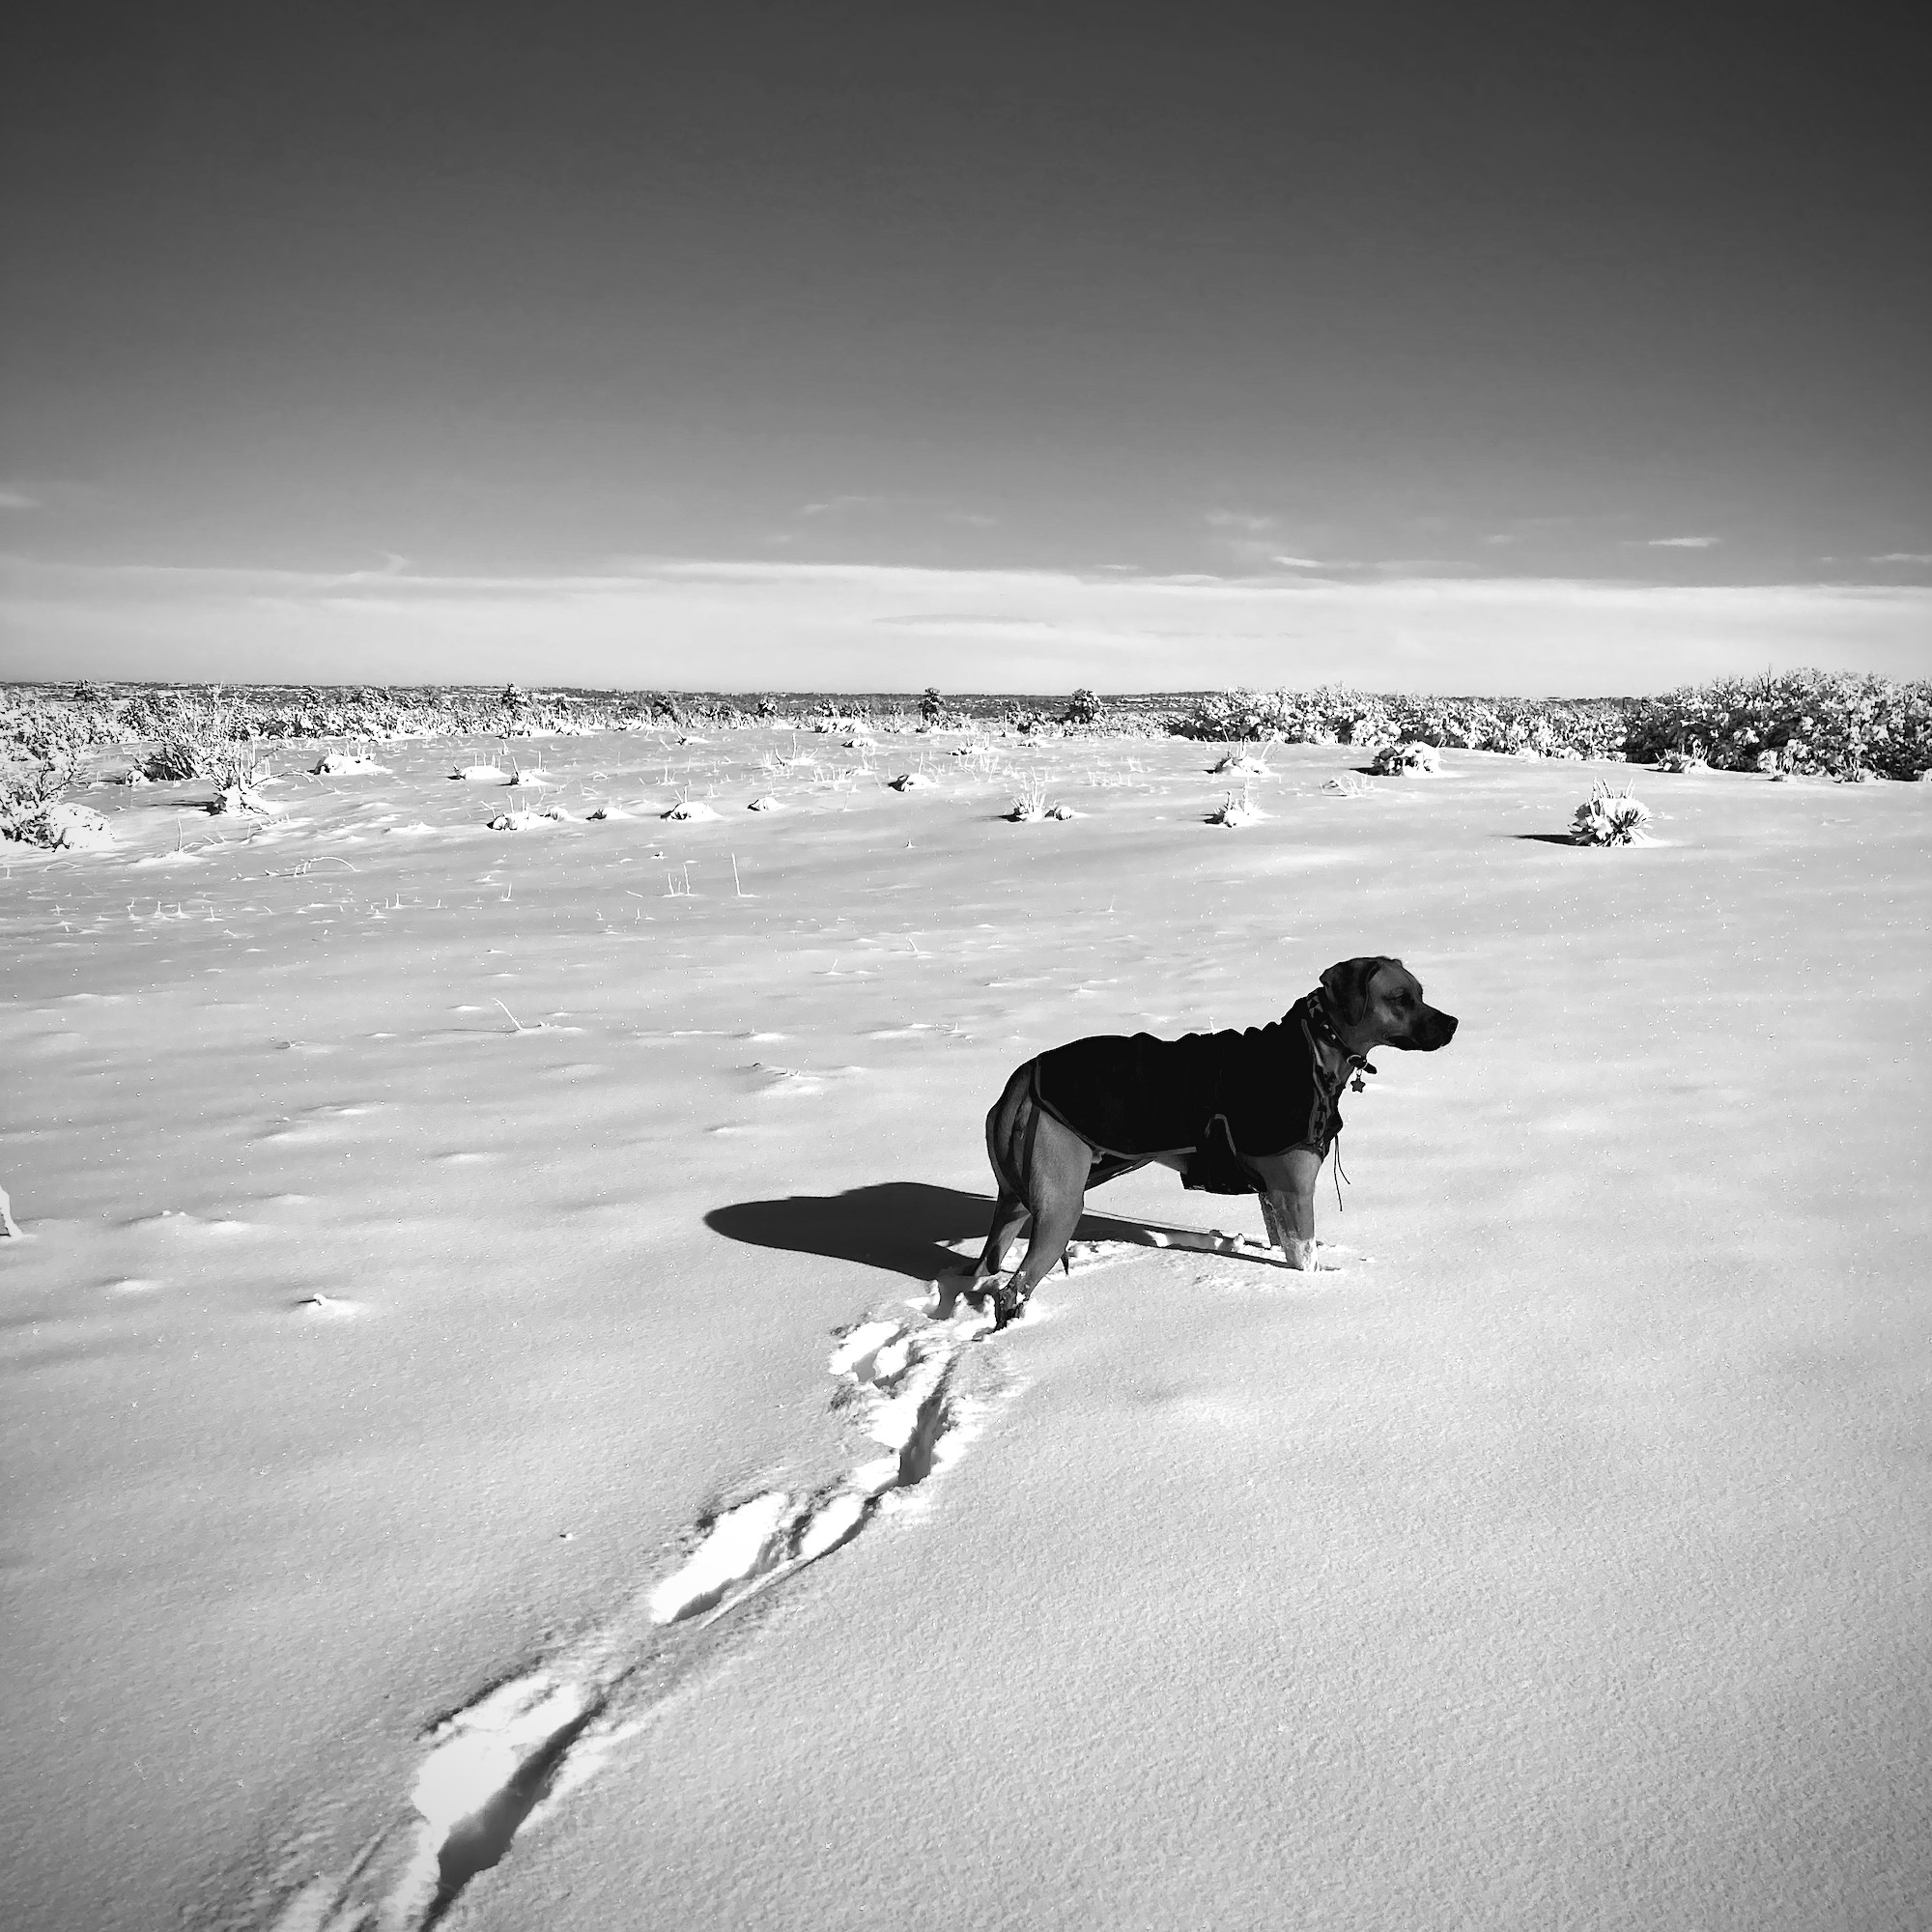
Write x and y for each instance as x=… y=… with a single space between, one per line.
x=472 y=1366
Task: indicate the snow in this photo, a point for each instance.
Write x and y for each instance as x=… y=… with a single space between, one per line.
x=483 y=1441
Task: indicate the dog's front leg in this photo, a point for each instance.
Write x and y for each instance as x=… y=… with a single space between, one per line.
x=1287 y=1204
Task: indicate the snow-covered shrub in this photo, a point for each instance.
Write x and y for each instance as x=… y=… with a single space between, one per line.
x=28 y=784
x=195 y=736
x=1582 y=728
x=1410 y=754
x=235 y=799
x=56 y=825
x=1828 y=723
x=1611 y=818
x=34 y=813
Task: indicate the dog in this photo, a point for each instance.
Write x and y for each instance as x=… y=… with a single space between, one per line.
x=1233 y=1113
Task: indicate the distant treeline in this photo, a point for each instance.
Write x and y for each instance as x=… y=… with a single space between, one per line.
x=1804 y=722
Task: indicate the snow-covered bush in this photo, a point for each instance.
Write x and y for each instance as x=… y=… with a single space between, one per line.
x=1830 y=722
x=33 y=811
x=1611 y=818
x=1410 y=754
x=1332 y=714
x=56 y=825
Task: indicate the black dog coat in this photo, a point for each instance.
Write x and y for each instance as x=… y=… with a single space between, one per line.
x=1260 y=1091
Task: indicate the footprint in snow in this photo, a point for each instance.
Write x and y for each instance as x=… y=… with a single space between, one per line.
x=489 y=1767
x=910 y=1382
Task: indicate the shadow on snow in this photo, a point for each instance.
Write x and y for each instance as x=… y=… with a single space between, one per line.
x=902 y=1225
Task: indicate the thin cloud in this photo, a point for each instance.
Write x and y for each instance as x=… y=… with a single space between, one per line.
x=832 y=506
x=1681 y=543
x=870 y=627
x=1902 y=556
x=1300 y=562
x=1250 y=520
x=17 y=499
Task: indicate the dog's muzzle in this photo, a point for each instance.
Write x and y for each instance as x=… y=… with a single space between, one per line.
x=1431 y=1030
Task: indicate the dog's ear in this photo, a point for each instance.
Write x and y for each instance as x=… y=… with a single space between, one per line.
x=1347 y=984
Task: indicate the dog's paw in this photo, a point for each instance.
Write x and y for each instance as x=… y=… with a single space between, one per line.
x=1007 y=1296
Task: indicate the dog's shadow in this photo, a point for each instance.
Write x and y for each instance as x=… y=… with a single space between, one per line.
x=903 y=1226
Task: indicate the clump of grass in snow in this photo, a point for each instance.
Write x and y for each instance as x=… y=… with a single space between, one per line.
x=1680 y=759
x=1611 y=818
x=534 y=775
x=346 y=764
x=1240 y=763
x=526 y=821
x=1351 y=784
x=1234 y=811
x=1029 y=803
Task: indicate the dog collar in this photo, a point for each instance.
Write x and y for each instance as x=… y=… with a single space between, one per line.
x=1322 y=1026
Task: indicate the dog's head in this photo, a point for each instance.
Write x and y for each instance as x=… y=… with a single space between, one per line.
x=1378 y=1003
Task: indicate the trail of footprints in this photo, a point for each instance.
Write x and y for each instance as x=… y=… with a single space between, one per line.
x=916 y=1398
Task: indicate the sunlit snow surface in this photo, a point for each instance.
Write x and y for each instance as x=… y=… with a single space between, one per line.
x=484 y=1446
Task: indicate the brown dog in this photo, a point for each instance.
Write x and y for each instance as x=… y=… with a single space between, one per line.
x=1234 y=1113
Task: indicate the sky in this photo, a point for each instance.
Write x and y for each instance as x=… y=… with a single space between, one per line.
x=993 y=346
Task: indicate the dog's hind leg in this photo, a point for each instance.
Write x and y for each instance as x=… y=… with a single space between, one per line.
x=1007 y=1151
x=1009 y=1212
x=1052 y=1229
x=1056 y=1180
